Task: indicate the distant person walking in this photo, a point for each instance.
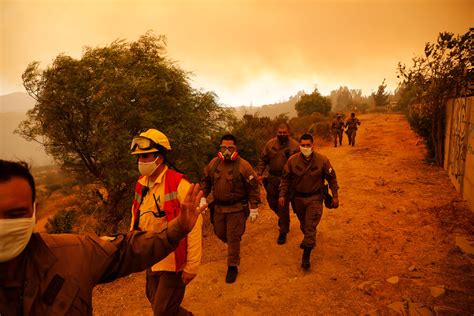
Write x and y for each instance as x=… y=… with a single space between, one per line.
x=233 y=186
x=274 y=156
x=305 y=173
x=352 y=125
x=337 y=128
x=159 y=193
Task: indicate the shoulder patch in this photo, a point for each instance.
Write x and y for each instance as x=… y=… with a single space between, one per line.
x=108 y=238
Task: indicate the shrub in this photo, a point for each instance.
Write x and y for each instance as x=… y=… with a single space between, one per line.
x=61 y=222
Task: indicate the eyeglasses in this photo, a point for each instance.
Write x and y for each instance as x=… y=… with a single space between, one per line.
x=142 y=143
x=231 y=147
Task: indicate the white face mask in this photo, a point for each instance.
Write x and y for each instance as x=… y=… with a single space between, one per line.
x=148 y=168
x=15 y=234
x=306 y=151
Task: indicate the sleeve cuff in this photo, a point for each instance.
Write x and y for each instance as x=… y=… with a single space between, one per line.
x=175 y=233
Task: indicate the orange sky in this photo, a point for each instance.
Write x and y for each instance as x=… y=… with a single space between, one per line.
x=247 y=52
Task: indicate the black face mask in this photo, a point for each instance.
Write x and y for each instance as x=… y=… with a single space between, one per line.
x=282 y=138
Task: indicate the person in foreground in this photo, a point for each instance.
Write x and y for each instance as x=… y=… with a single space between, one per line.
x=305 y=173
x=233 y=185
x=43 y=274
x=159 y=193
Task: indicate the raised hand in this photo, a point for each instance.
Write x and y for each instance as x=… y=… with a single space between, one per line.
x=190 y=208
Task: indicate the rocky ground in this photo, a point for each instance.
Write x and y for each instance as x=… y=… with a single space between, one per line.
x=399 y=244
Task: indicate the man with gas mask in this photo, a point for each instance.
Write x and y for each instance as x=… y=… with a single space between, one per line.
x=305 y=173
x=158 y=194
x=43 y=274
x=274 y=156
x=233 y=185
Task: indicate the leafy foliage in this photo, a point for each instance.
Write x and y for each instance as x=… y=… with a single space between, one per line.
x=381 y=97
x=62 y=222
x=252 y=132
x=440 y=74
x=87 y=111
x=313 y=102
x=345 y=99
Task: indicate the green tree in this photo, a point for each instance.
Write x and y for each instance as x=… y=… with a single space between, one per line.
x=404 y=95
x=441 y=73
x=87 y=111
x=252 y=133
x=343 y=99
x=314 y=102
x=381 y=97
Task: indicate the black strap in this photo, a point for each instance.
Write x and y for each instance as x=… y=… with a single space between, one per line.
x=53 y=289
x=306 y=194
x=136 y=223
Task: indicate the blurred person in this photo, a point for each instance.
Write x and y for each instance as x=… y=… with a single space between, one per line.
x=305 y=172
x=42 y=274
x=233 y=185
x=352 y=124
x=274 y=156
x=159 y=193
x=337 y=128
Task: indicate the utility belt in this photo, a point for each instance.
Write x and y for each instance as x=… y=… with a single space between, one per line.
x=275 y=173
x=229 y=202
x=306 y=194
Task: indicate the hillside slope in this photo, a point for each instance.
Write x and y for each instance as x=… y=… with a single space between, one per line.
x=399 y=217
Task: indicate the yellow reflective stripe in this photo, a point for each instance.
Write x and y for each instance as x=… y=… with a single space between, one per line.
x=171 y=196
x=138 y=197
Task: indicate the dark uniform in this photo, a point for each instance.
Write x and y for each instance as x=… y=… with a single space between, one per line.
x=274 y=155
x=352 y=124
x=337 y=128
x=231 y=199
x=306 y=178
x=56 y=273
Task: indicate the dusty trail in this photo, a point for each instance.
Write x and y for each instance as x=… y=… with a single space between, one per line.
x=396 y=218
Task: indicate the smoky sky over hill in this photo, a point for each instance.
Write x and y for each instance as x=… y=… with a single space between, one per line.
x=248 y=52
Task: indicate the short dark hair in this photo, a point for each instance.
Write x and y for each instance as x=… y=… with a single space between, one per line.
x=11 y=169
x=306 y=136
x=229 y=137
x=283 y=125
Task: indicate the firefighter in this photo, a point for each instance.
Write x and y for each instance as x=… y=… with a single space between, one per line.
x=159 y=193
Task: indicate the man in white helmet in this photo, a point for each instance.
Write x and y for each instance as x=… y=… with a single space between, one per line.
x=158 y=194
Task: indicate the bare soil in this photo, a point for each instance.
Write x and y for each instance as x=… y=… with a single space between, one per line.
x=399 y=217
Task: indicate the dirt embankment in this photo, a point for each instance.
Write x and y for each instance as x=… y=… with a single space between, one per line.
x=398 y=221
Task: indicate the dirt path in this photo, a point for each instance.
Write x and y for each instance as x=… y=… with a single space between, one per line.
x=396 y=219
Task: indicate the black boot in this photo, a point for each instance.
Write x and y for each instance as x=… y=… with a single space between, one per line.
x=231 y=276
x=305 y=260
x=281 y=239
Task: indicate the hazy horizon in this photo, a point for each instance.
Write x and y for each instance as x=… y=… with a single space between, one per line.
x=249 y=52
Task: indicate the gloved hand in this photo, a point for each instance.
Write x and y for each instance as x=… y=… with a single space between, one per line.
x=253 y=214
x=203 y=202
